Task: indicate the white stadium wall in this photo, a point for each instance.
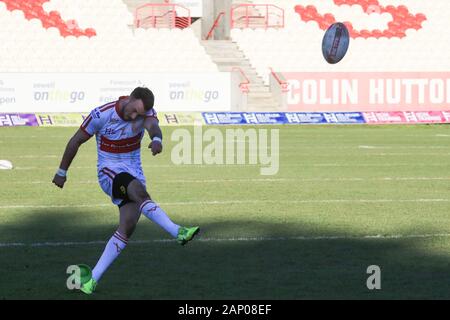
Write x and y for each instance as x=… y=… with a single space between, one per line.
x=81 y=92
x=42 y=71
x=297 y=47
x=400 y=44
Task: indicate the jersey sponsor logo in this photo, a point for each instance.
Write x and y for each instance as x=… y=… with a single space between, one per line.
x=120 y=146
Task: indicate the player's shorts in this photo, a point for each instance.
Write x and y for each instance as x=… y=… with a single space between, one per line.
x=108 y=175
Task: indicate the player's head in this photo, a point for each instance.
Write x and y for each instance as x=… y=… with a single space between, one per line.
x=141 y=101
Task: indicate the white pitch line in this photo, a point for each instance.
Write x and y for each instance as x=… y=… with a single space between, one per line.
x=37 y=157
x=391 y=147
x=384 y=154
x=55 y=206
x=372 y=165
x=403 y=154
x=230 y=202
x=387 y=179
x=234 y=239
x=301 y=165
x=35 y=137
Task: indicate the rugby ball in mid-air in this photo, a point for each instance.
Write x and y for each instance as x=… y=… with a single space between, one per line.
x=335 y=43
x=5 y=165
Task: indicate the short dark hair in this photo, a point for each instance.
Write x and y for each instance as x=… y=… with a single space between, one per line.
x=146 y=95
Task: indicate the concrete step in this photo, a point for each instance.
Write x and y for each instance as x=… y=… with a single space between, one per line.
x=260 y=108
x=232 y=48
x=250 y=73
x=267 y=102
x=263 y=108
x=258 y=89
x=259 y=85
x=226 y=46
x=257 y=82
x=227 y=67
x=226 y=54
x=220 y=49
x=260 y=95
x=253 y=75
x=219 y=43
x=231 y=60
x=246 y=67
x=261 y=102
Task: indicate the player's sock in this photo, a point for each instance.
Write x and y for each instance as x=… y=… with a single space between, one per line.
x=114 y=247
x=152 y=211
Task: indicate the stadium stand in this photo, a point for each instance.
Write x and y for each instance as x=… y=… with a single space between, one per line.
x=91 y=36
x=411 y=33
x=283 y=35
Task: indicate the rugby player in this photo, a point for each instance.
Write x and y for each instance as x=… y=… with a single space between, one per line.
x=119 y=128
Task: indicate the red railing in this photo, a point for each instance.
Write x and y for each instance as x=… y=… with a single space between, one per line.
x=244 y=85
x=257 y=16
x=283 y=84
x=162 y=15
x=215 y=25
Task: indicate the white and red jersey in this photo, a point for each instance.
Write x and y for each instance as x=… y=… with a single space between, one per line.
x=118 y=141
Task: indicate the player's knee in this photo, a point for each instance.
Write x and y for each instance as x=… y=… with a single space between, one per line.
x=142 y=195
x=137 y=192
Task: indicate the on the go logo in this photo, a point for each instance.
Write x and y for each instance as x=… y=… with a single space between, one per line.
x=74 y=280
x=59 y=96
x=374 y=281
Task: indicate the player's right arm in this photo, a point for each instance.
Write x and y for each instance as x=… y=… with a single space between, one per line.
x=91 y=125
x=72 y=147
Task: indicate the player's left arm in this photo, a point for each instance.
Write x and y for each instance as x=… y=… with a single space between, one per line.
x=151 y=124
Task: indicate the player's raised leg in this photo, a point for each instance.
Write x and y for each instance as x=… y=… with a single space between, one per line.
x=138 y=194
x=129 y=217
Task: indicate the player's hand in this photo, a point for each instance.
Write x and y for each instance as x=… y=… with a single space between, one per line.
x=156 y=147
x=59 y=181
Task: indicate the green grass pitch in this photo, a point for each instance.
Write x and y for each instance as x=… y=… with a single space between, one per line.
x=345 y=198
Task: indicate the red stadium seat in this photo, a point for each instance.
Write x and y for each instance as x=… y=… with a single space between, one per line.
x=33 y=9
x=402 y=21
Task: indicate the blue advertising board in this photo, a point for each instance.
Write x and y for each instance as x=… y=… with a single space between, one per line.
x=251 y=118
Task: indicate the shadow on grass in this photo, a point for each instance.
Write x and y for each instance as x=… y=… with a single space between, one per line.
x=271 y=269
